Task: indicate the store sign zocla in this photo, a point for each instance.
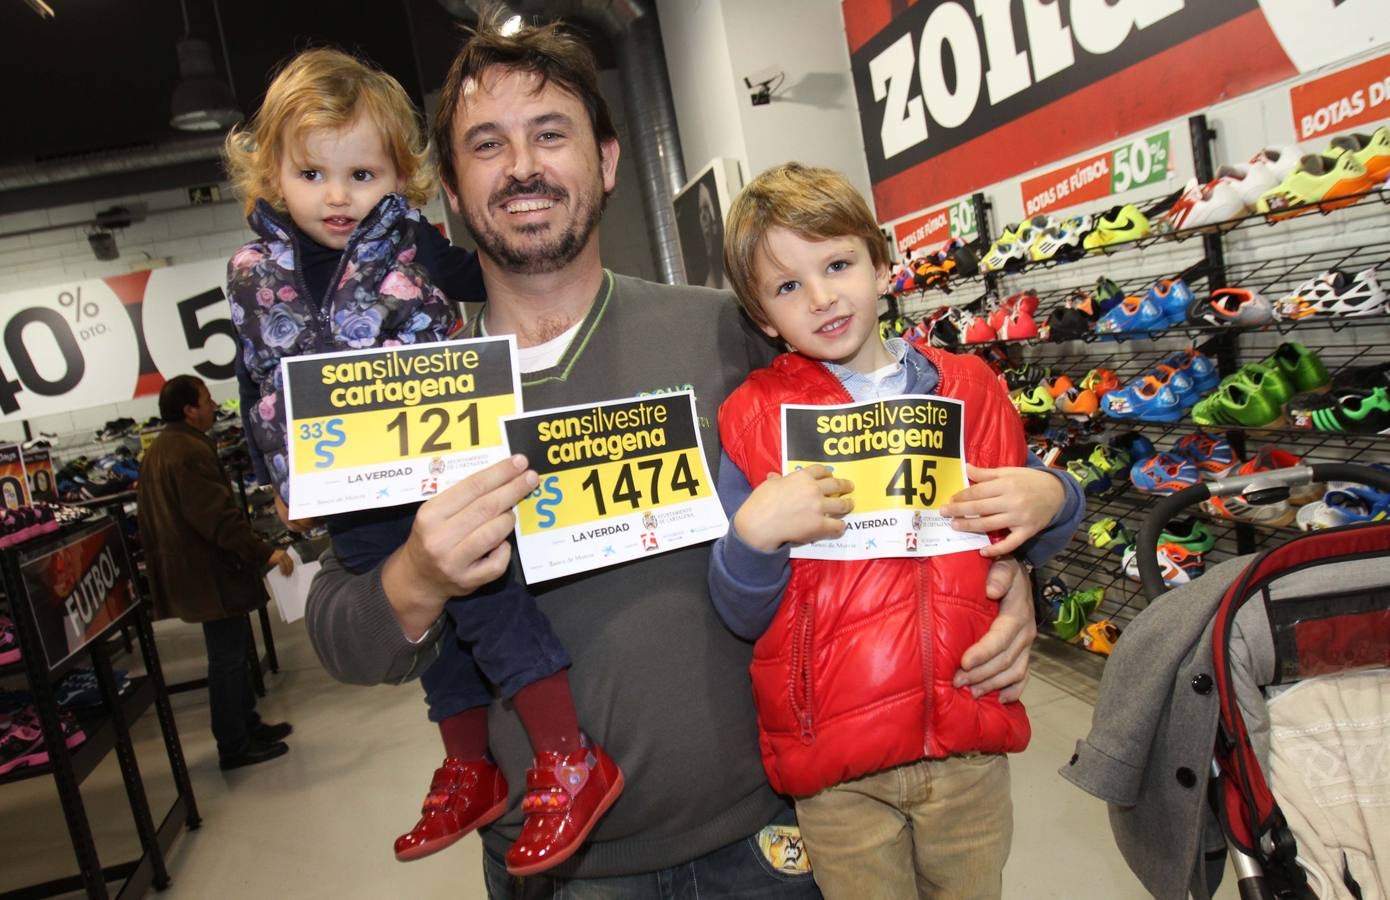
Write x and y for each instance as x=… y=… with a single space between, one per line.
x=106 y=340
x=986 y=89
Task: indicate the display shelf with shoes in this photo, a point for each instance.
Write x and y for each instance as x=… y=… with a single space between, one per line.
x=42 y=738
x=1303 y=327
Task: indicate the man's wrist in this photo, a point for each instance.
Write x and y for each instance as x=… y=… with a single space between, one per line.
x=415 y=604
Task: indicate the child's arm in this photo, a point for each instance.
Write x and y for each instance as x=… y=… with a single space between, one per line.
x=1026 y=501
x=749 y=566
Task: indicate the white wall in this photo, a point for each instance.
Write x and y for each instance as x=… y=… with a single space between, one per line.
x=813 y=117
x=702 y=82
x=711 y=45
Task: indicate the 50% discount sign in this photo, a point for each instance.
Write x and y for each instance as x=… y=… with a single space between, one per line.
x=906 y=459
x=618 y=480
x=395 y=425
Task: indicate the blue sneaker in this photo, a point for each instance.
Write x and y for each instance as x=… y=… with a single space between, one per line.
x=1132 y=314
x=1212 y=455
x=1172 y=297
x=1164 y=474
x=1195 y=365
x=1146 y=400
x=1135 y=444
x=1180 y=383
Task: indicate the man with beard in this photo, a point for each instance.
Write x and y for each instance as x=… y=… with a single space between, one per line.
x=528 y=154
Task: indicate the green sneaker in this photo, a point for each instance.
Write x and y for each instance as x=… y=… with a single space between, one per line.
x=1075 y=611
x=1109 y=534
x=1237 y=403
x=1188 y=533
x=1300 y=366
x=1266 y=379
x=1034 y=402
x=1110 y=461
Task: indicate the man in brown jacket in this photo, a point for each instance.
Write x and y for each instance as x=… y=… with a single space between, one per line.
x=205 y=565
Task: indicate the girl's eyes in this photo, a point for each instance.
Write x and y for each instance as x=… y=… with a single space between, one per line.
x=787 y=287
x=363 y=175
x=310 y=174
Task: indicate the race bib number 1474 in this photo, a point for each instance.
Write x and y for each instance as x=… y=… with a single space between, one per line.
x=618 y=481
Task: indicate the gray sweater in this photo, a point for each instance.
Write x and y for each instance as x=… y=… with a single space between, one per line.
x=658 y=681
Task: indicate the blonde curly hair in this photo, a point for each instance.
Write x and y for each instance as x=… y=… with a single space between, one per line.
x=325 y=88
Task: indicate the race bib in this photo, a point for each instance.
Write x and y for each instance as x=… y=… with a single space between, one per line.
x=393 y=425
x=618 y=480
x=906 y=457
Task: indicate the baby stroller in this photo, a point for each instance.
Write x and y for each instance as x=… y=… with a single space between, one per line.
x=1193 y=706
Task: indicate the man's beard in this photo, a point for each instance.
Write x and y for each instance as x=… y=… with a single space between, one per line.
x=536 y=258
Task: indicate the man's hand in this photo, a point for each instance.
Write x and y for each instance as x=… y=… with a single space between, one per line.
x=298 y=526
x=282 y=561
x=457 y=544
x=805 y=506
x=1017 y=498
x=999 y=660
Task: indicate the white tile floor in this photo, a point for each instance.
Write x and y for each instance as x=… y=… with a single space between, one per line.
x=319 y=822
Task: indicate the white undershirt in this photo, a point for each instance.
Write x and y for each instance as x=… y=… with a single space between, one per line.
x=541 y=356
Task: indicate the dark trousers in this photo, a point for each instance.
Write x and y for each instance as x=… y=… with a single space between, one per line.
x=496 y=635
x=231 y=697
x=768 y=865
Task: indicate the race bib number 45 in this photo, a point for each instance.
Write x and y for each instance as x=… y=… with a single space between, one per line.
x=906 y=458
x=618 y=480
x=393 y=425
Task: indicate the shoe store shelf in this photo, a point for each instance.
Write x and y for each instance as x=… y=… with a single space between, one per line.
x=101 y=737
x=1225 y=229
x=38 y=580
x=1272 y=259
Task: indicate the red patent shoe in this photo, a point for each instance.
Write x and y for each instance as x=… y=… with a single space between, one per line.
x=565 y=798
x=464 y=795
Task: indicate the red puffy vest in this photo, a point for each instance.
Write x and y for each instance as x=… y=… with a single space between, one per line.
x=853 y=676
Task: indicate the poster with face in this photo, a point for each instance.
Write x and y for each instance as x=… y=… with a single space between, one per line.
x=700 y=208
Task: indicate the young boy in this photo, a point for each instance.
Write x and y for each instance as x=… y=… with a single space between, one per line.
x=898 y=775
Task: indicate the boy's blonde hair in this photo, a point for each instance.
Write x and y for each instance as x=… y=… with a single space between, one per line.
x=326 y=88
x=817 y=204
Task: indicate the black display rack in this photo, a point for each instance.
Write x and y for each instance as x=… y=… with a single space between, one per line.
x=36 y=606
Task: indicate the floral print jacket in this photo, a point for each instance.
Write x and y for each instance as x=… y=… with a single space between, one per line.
x=380 y=297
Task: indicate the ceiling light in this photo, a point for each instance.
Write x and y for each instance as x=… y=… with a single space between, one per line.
x=201 y=101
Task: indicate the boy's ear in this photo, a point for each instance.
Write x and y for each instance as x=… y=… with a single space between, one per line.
x=770 y=332
x=882 y=277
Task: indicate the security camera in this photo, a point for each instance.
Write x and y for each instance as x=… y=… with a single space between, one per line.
x=762 y=82
x=103 y=245
x=764 y=75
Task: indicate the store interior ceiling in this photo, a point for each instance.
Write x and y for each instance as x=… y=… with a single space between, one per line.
x=89 y=117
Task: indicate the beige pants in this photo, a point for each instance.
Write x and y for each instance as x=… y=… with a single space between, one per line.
x=938 y=828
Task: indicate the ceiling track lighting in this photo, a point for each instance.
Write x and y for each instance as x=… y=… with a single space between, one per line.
x=43 y=10
x=201 y=101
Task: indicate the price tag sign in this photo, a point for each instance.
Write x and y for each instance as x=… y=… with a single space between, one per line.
x=618 y=480
x=14 y=484
x=906 y=457
x=38 y=468
x=394 y=425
